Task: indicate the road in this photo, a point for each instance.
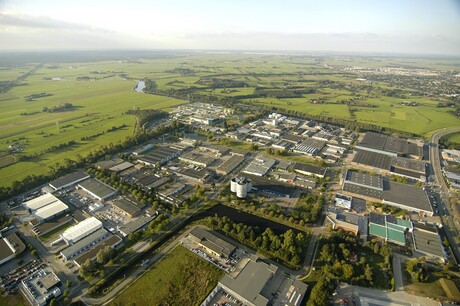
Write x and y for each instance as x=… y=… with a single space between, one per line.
x=451 y=225
x=397 y=272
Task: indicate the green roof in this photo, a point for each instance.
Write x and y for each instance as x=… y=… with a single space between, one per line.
x=377 y=230
x=396 y=236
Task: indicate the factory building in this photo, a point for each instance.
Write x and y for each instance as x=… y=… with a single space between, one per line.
x=159 y=156
x=84 y=244
x=380 y=143
x=427 y=242
x=241 y=186
x=389 y=228
x=68 y=180
x=45 y=207
x=97 y=189
x=259 y=166
x=80 y=230
x=230 y=164
x=311 y=170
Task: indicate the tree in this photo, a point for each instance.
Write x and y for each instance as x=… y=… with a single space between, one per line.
x=53 y=302
x=368 y=273
x=68 y=284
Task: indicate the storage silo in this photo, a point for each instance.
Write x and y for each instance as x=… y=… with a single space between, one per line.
x=233 y=184
x=242 y=189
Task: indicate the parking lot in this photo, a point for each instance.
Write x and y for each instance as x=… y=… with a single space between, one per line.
x=223 y=298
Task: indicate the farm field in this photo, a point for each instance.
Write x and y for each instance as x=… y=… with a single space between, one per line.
x=181 y=278
x=101 y=92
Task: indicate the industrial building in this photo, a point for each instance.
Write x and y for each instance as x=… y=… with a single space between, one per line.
x=45 y=207
x=135 y=225
x=390 y=146
x=83 y=244
x=272 y=187
x=200 y=176
x=68 y=180
x=343 y=201
x=254 y=284
x=259 y=166
x=390 y=228
x=127 y=207
x=230 y=164
x=121 y=167
x=427 y=242
x=211 y=243
x=311 y=170
x=7 y=250
x=378 y=188
x=44 y=228
x=40 y=287
x=159 y=156
x=310 y=147
x=82 y=229
x=196 y=159
x=349 y=222
x=112 y=241
x=241 y=186
x=97 y=189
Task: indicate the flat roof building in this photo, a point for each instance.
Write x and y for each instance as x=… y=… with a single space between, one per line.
x=127 y=207
x=248 y=286
x=112 y=241
x=135 y=225
x=196 y=159
x=84 y=244
x=427 y=241
x=260 y=165
x=212 y=243
x=310 y=147
x=7 y=251
x=159 y=156
x=390 y=146
x=40 y=287
x=389 y=228
x=81 y=230
x=68 y=180
x=97 y=189
x=272 y=187
x=308 y=169
x=45 y=207
x=121 y=167
x=230 y=164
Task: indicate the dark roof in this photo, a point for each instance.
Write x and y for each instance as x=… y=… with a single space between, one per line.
x=407 y=195
x=213 y=242
x=50 y=225
x=428 y=242
x=5 y=250
x=68 y=179
x=406 y=172
x=409 y=164
x=361 y=190
x=364 y=180
x=127 y=207
x=377 y=219
x=373 y=140
x=389 y=144
x=292 y=138
x=230 y=164
x=271 y=186
x=113 y=239
x=135 y=225
x=372 y=159
x=196 y=174
x=310 y=168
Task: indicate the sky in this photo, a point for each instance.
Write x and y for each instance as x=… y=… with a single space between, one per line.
x=384 y=26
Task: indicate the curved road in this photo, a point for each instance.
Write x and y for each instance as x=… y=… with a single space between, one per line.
x=451 y=224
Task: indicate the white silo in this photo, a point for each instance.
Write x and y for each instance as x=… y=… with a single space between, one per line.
x=249 y=183
x=242 y=189
x=233 y=184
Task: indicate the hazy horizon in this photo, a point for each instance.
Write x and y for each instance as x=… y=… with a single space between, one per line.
x=390 y=27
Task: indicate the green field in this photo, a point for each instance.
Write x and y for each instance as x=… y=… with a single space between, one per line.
x=181 y=278
x=102 y=91
x=13 y=300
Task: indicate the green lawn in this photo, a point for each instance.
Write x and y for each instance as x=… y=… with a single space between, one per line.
x=13 y=300
x=181 y=278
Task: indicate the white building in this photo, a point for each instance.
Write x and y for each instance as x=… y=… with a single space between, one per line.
x=81 y=230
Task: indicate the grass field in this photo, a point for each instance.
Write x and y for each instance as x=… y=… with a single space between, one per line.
x=181 y=278
x=13 y=300
x=102 y=91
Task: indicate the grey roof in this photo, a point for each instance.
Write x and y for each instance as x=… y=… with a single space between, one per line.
x=292 y=138
x=230 y=164
x=5 y=250
x=409 y=164
x=97 y=187
x=213 y=242
x=310 y=168
x=127 y=207
x=372 y=159
x=377 y=219
x=250 y=282
x=84 y=242
x=427 y=242
x=271 y=186
x=67 y=179
x=111 y=240
x=192 y=157
x=260 y=165
x=121 y=167
x=407 y=195
x=386 y=143
x=296 y=293
x=364 y=180
x=135 y=225
x=373 y=140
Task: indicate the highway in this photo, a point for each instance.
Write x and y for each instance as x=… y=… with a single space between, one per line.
x=451 y=225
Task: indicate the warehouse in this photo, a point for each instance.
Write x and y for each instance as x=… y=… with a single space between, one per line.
x=312 y=170
x=282 y=145
x=84 y=244
x=68 y=180
x=375 y=187
x=294 y=139
x=80 y=230
x=390 y=146
x=230 y=164
x=45 y=207
x=97 y=189
x=121 y=167
x=7 y=251
x=390 y=228
x=427 y=241
x=112 y=241
x=128 y=208
x=372 y=159
x=259 y=166
x=200 y=176
x=252 y=284
x=211 y=243
x=44 y=228
x=159 y=156
x=196 y=159
x=310 y=147
x=135 y=225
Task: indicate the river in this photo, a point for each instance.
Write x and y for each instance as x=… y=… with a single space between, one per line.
x=140 y=86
